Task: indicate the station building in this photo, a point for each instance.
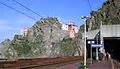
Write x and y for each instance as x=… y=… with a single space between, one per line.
x=108 y=36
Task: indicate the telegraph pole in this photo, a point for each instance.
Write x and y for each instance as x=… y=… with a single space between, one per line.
x=85 y=46
x=85 y=17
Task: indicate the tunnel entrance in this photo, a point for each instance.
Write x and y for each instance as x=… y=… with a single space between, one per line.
x=112 y=45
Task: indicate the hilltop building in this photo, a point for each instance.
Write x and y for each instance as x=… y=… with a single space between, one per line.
x=71 y=28
x=24 y=31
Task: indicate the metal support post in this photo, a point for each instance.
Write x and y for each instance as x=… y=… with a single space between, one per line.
x=85 y=47
x=91 y=54
x=97 y=53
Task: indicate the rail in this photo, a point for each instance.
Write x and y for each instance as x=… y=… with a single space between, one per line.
x=36 y=62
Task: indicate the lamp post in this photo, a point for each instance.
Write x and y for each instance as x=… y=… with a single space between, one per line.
x=85 y=17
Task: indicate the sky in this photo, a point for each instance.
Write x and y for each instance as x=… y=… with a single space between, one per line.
x=11 y=22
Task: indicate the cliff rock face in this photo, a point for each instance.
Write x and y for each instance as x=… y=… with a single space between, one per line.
x=79 y=43
x=109 y=13
x=4 y=47
x=50 y=30
x=41 y=40
x=45 y=38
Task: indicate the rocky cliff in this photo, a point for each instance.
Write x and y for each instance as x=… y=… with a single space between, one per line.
x=41 y=40
x=108 y=14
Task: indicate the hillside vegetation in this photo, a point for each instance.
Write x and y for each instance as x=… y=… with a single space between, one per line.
x=44 y=39
x=108 y=14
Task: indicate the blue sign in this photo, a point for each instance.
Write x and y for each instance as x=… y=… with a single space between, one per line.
x=96 y=45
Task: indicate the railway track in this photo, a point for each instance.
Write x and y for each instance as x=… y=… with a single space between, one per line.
x=36 y=62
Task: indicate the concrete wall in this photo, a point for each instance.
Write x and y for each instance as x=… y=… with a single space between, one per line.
x=110 y=30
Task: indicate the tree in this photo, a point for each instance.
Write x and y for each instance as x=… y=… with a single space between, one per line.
x=5 y=45
x=79 y=43
x=50 y=29
x=67 y=47
x=37 y=46
x=21 y=46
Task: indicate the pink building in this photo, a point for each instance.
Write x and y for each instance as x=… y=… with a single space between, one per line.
x=24 y=31
x=71 y=29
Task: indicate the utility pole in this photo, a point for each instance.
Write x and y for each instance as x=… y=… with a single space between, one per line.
x=85 y=47
x=97 y=58
x=85 y=17
x=91 y=46
x=101 y=38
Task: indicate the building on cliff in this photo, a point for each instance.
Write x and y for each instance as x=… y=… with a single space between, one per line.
x=71 y=28
x=24 y=31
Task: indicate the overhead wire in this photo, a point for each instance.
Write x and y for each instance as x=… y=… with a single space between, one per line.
x=27 y=8
x=17 y=11
x=89 y=5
